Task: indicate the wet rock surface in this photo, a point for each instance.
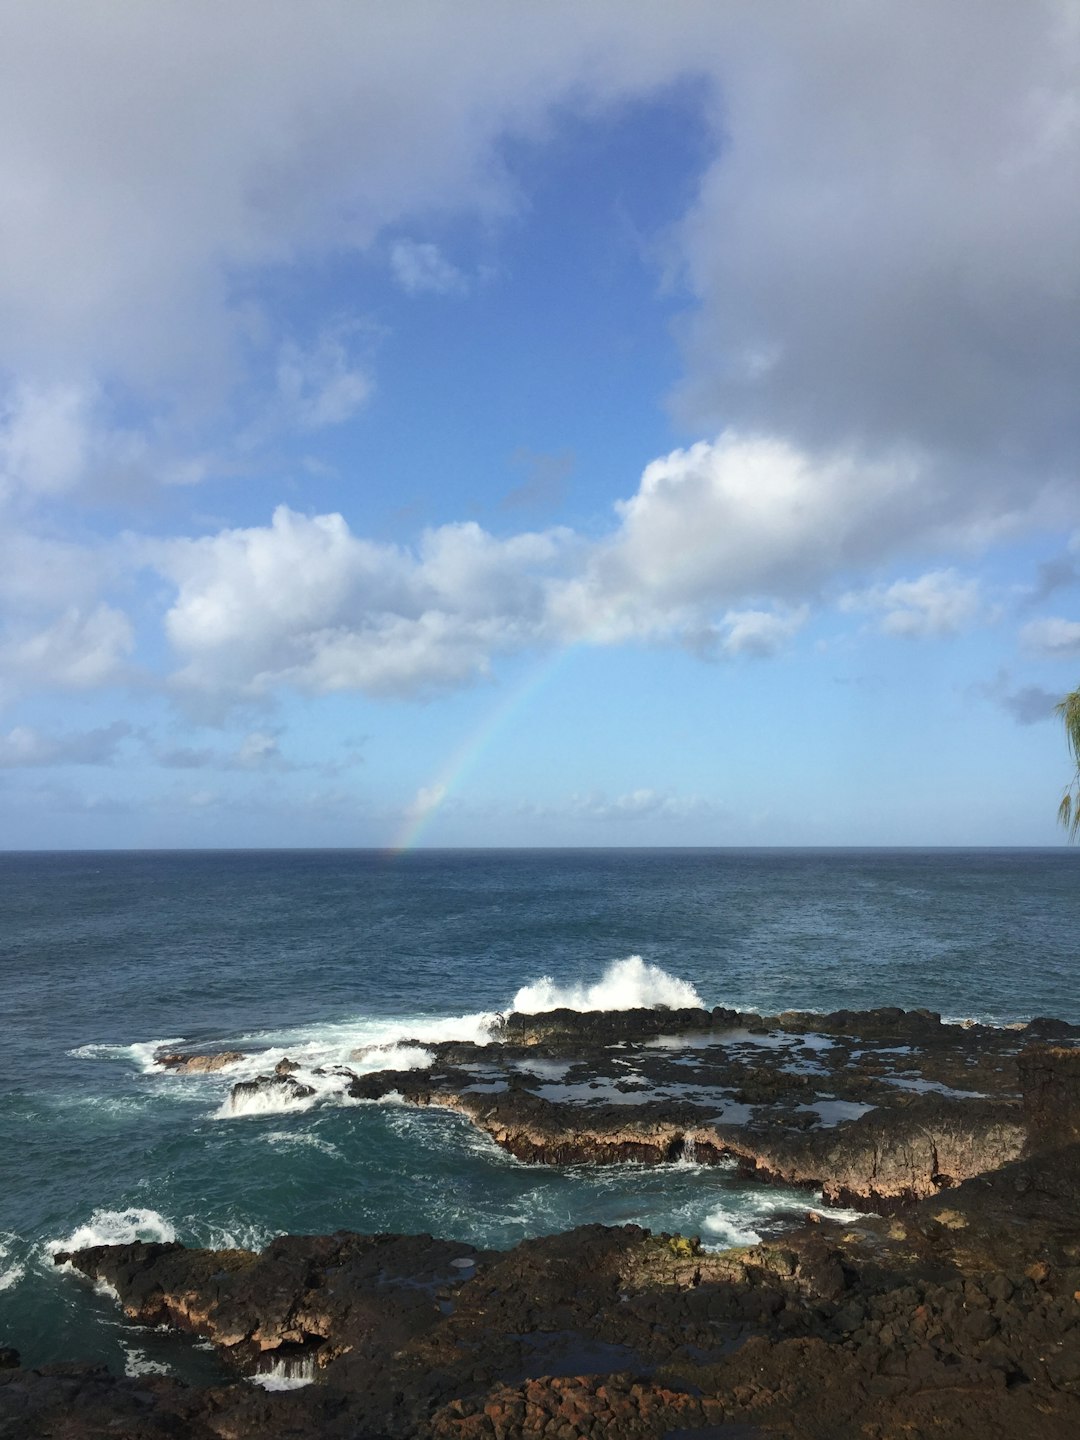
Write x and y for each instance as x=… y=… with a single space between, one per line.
x=954 y=1311
x=878 y=1108
x=184 y=1064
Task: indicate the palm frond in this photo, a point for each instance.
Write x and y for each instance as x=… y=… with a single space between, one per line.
x=1069 y=809
x=1069 y=710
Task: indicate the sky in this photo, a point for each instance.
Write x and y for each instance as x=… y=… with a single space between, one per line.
x=507 y=423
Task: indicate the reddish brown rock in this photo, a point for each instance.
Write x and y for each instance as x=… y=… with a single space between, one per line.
x=199 y=1064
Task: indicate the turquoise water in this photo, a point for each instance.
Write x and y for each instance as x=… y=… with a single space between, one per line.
x=105 y=956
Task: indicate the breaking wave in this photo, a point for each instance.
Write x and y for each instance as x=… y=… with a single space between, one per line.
x=727 y=1231
x=11 y=1270
x=628 y=984
x=116 y=1227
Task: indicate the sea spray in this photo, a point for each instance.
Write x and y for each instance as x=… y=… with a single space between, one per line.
x=116 y=1227
x=287 y=1373
x=11 y=1270
x=628 y=984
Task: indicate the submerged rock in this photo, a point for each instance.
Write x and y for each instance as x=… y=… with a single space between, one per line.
x=269 y=1093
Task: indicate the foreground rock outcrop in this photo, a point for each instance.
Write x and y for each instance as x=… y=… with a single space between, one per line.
x=952 y=1311
x=960 y=1318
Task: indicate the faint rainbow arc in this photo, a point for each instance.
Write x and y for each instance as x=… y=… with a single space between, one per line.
x=470 y=749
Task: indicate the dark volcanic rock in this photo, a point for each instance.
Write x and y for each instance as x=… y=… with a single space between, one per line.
x=599 y=1027
x=1050 y=1080
x=884 y=1159
x=611 y=1332
x=955 y=1313
x=279 y=1088
x=878 y=1108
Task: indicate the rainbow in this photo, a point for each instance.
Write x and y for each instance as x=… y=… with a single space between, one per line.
x=432 y=797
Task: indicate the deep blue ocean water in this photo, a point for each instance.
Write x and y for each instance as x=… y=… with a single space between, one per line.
x=105 y=956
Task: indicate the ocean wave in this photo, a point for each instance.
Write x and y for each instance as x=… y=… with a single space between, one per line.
x=116 y=1227
x=11 y=1270
x=729 y=1229
x=628 y=984
x=141 y=1053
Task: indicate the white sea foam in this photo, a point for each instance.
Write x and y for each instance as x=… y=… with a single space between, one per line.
x=280 y=1100
x=11 y=1270
x=627 y=984
x=115 y=1227
x=289 y=1374
x=141 y=1053
x=324 y=1053
x=139 y=1363
x=393 y=1057
x=729 y=1229
x=301 y=1139
x=238 y=1236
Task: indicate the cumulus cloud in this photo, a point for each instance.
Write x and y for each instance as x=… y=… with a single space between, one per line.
x=305 y=602
x=940 y=602
x=25 y=747
x=880 y=256
x=421 y=268
x=1053 y=635
x=724 y=548
x=760 y=632
x=78 y=650
x=748 y=517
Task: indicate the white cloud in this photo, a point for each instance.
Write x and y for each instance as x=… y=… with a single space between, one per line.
x=25 y=747
x=884 y=249
x=78 y=650
x=723 y=548
x=761 y=632
x=306 y=603
x=45 y=434
x=882 y=245
x=749 y=518
x=1053 y=635
x=422 y=268
x=940 y=602
x=322 y=385
x=151 y=159
x=427 y=798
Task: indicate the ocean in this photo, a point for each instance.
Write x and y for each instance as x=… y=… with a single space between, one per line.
x=105 y=957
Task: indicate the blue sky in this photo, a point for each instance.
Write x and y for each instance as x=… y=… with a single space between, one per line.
x=607 y=424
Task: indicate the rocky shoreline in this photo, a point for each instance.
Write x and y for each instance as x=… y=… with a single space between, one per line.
x=952 y=1307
